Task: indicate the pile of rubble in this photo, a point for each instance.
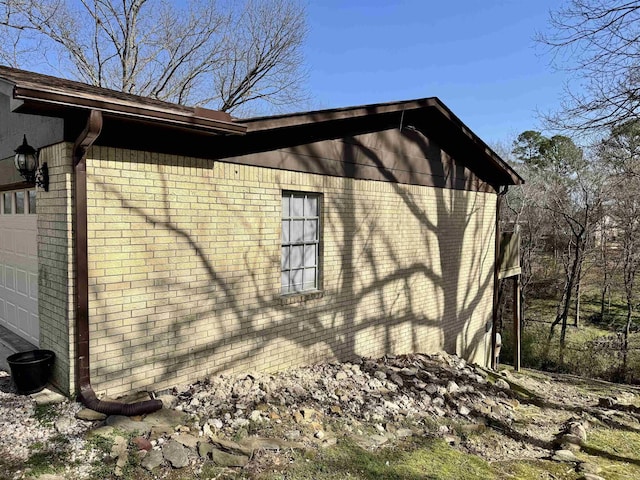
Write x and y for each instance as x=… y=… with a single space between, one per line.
x=233 y=421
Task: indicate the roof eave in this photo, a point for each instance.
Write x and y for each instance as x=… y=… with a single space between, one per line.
x=123 y=109
x=313 y=117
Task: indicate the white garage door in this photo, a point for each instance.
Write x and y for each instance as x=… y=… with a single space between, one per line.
x=19 y=264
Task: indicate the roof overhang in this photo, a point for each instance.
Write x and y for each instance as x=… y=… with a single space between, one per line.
x=40 y=94
x=448 y=123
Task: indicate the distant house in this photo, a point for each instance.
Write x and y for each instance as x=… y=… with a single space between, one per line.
x=175 y=243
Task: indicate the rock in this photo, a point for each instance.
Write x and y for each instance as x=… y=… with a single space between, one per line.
x=311 y=415
x=564 y=456
x=158 y=431
x=255 y=416
x=64 y=424
x=572 y=439
x=49 y=476
x=464 y=410
x=216 y=423
x=578 y=429
x=238 y=423
x=204 y=449
x=606 y=402
x=89 y=415
x=224 y=459
x=452 y=387
x=319 y=435
x=588 y=467
x=104 y=431
x=380 y=375
x=152 y=460
x=125 y=423
x=328 y=442
x=292 y=435
x=335 y=409
x=186 y=439
x=500 y=383
x=341 y=375
x=397 y=379
x=258 y=443
x=48 y=397
x=452 y=440
x=404 y=433
x=175 y=453
x=120 y=453
x=590 y=476
x=166 y=417
x=431 y=389
x=168 y=401
x=438 y=411
x=378 y=439
x=141 y=443
x=232 y=447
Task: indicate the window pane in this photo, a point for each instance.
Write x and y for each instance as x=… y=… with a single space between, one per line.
x=32 y=201
x=19 y=202
x=297 y=203
x=296 y=231
x=285 y=281
x=296 y=280
x=311 y=206
x=310 y=230
x=285 y=205
x=295 y=259
x=7 y=203
x=285 y=231
x=285 y=257
x=310 y=256
x=309 y=278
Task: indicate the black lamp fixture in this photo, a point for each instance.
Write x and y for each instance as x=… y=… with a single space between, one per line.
x=26 y=161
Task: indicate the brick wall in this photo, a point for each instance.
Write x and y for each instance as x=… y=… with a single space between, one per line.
x=55 y=263
x=184 y=267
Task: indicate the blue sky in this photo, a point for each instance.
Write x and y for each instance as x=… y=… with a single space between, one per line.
x=477 y=56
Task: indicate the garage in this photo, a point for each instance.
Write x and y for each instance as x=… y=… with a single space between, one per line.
x=19 y=264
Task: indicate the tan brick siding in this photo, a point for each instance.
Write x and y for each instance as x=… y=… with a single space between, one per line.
x=184 y=268
x=55 y=263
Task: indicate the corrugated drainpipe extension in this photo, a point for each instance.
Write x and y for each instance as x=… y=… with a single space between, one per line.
x=496 y=275
x=86 y=394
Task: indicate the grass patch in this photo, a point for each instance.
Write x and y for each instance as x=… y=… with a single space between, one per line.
x=616 y=451
x=45 y=414
x=51 y=457
x=418 y=459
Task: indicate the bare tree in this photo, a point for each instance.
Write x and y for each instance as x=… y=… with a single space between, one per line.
x=597 y=42
x=621 y=153
x=568 y=197
x=227 y=55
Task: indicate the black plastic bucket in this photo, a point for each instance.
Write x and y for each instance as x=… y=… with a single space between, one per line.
x=30 y=370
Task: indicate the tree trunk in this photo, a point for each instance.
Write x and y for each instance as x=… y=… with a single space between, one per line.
x=563 y=313
x=576 y=321
x=625 y=346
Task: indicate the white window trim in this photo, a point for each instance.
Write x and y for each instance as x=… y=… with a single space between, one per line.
x=287 y=290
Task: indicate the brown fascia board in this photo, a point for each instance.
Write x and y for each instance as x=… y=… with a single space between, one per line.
x=178 y=117
x=314 y=117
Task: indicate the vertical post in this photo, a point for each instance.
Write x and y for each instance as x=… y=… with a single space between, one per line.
x=516 y=323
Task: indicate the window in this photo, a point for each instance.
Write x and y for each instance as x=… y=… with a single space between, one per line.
x=7 y=198
x=300 y=241
x=32 y=201
x=19 y=202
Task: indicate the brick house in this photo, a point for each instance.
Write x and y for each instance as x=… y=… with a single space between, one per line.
x=175 y=243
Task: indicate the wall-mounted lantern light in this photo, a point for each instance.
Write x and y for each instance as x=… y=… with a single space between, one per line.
x=27 y=164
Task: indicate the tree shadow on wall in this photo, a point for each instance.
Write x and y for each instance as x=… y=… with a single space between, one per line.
x=385 y=289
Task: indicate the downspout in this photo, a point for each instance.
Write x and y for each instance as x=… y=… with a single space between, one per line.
x=496 y=274
x=86 y=395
